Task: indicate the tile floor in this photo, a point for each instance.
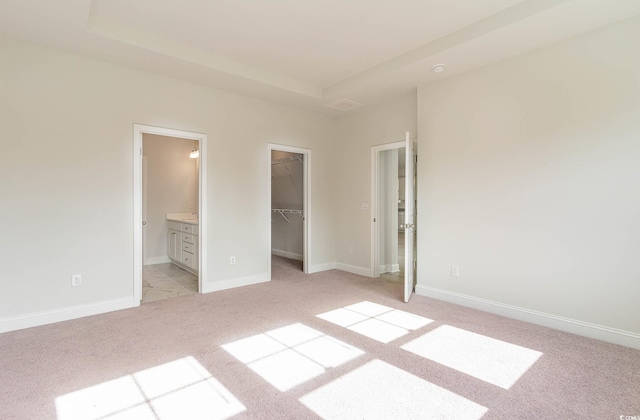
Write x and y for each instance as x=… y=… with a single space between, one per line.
x=398 y=276
x=164 y=281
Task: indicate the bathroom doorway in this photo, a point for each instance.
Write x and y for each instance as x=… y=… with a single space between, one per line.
x=170 y=217
x=169 y=213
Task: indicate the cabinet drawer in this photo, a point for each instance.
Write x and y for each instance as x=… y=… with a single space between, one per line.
x=187 y=259
x=190 y=239
x=187 y=247
x=187 y=228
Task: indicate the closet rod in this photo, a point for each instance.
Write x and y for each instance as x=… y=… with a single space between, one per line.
x=288 y=211
x=297 y=211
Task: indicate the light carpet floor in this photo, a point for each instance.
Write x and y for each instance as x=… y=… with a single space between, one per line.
x=330 y=345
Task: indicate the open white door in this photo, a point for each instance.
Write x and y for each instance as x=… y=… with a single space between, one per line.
x=409 y=218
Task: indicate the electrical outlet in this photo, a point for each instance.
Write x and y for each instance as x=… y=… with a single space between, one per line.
x=455 y=271
x=76 y=280
x=232 y=260
x=350 y=249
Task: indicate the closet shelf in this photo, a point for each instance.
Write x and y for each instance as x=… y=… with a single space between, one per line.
x=287 y=160
x=282 y=213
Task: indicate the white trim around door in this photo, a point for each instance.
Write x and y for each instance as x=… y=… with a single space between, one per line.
x=306 y=173
x=138 y=131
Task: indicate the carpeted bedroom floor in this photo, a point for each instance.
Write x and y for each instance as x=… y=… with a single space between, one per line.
x=326 y=345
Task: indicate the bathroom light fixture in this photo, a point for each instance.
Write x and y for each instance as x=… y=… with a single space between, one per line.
x=438 y=68
x=195 y=153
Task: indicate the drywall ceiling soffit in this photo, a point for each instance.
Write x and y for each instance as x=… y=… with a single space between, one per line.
x=306 y=54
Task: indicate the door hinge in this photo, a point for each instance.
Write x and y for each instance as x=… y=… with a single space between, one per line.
x=374 y=220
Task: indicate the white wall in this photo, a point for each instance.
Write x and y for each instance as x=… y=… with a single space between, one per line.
x=171 y=188
x=357 y=132
x=287 y=192
x=528 y=180
x=66 y=171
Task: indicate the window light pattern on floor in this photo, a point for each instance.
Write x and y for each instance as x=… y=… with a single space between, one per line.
x=378 y=390
x=182 y=389
x=493 y=361
x=375 y=321
x=291 y=355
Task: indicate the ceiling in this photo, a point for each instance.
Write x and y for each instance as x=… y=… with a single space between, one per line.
x=306 y=53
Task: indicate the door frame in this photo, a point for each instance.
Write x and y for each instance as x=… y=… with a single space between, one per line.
x=138 y=131
x=375 y=234
x=306 y=202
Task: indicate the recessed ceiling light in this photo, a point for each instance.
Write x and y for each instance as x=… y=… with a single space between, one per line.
x=438 y=68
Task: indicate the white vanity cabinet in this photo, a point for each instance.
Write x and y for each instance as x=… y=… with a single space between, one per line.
x=183 y=245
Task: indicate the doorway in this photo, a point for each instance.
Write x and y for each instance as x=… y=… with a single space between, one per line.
x=188 y=220
x=288 y=238
x=391 y=206
x=393 y=230
x=170 y=217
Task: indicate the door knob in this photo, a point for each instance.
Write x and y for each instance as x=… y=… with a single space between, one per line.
x=144 y=222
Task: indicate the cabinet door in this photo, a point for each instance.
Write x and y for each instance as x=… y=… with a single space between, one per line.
x=175 y=245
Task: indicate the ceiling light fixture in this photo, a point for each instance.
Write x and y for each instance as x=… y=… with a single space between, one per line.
x=344 y=104
x=438 y=68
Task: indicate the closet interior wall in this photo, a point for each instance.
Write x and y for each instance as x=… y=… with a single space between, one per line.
x=287 y=199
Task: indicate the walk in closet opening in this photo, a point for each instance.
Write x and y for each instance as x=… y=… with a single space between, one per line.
x=288 y=210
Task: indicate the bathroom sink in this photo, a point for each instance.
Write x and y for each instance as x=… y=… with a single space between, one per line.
x=183 y=217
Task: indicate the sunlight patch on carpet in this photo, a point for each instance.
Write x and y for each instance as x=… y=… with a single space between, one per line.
x=289 y=356
x=175 y=390
x=375 y=321
x=493 y=361
x=380 y=390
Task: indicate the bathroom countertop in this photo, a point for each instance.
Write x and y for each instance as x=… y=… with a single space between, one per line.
x=183 y=218
x=189 y=221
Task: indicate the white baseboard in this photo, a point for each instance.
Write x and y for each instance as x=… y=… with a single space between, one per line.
x=389 y=268
x=157 y=260
x=216 y=286
x=35 y=319
x=322 y=267
x=287 y=254
x=354 y=269
x=586 y=329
